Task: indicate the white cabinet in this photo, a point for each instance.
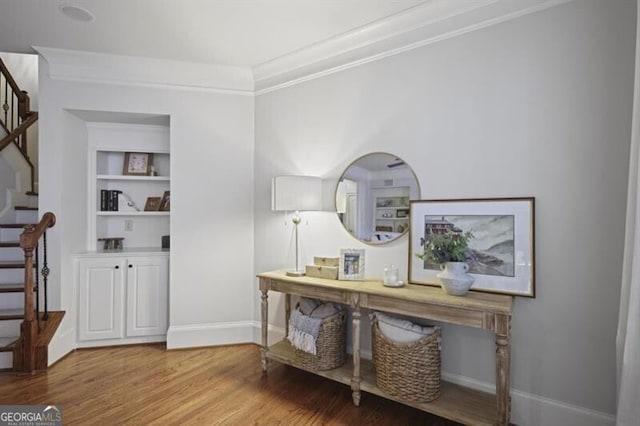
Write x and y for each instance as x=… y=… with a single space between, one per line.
x=101 y=297
x=147 y=289
x=123 y=298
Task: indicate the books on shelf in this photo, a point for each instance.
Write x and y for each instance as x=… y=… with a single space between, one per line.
x=109 y=200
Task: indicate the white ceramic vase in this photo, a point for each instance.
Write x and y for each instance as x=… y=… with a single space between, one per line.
x=454 y=278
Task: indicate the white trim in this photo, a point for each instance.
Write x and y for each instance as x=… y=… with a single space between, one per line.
x=409 y=20
x=91 y=67
x=533 y=410
x=432 y=22
x=123 y=341
x=210 y=334
x=61 y=344
x=416 y=27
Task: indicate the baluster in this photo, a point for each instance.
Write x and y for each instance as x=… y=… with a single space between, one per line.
x=22 y=143
x=5 y=104
x=12 y=110
x=45 y=275
x=37 y=287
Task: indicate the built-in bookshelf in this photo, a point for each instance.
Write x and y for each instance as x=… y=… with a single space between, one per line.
x=124 y=215
x=391 y=209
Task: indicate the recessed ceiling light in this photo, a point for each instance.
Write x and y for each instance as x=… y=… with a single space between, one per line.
x=77 y=13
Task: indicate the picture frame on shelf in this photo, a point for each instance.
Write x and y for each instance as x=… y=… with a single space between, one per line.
x=500 y=254
x=165 y=202
x=152 y=204
x=137 y=163
x=351 y=265
x=402 y=213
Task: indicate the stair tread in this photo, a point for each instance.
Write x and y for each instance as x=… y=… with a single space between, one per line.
x=6 y=343
x=11 y=264
x=10 y=244
x=11 y=287
x=6 y=314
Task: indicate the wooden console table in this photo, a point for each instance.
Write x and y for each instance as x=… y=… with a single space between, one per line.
x=479 y=310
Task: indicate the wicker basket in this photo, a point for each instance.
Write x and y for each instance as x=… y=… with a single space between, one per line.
x=331 y=346
x=410 y=371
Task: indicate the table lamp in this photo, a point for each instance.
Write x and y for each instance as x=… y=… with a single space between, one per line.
x=296 y=194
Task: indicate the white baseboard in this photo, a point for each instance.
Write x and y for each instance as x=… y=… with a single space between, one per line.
x=211 y=334
x=121 y=342
x=532 y=410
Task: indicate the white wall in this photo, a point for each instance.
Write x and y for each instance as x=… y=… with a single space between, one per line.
x=537 y=106
x=211 y=136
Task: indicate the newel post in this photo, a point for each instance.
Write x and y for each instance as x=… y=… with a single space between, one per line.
x=24 y=104
x=29 y=327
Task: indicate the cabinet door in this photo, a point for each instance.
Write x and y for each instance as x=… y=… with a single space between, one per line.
x=147 y=288
x=100 y=308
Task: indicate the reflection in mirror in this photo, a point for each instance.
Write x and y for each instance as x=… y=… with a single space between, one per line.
x=372 y=197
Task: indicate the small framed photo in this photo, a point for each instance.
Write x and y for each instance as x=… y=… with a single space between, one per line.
x=165 y=203
x=500 y=252
x=351 y=267
x=402 y=213
x=137 y=163
x=152 y=204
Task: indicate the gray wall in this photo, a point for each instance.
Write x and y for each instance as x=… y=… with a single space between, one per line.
x=537 y=106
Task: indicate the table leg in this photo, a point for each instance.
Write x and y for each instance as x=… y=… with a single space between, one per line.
x=265 y=325
x=287 y=313
x=503 y=331
x=355 y=380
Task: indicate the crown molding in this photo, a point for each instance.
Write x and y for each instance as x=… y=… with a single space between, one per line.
x=430 y=22
x=91 y=67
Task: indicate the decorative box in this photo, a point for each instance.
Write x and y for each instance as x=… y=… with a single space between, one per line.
x=326 y=261
x=327 y=272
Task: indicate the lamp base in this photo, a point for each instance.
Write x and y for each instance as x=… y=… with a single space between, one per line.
x=295 y=273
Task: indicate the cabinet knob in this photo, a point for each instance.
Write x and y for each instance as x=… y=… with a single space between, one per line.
x=130 y=266
x=117 y=266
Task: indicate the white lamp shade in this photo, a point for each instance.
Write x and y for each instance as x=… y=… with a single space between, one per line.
x=296 y=193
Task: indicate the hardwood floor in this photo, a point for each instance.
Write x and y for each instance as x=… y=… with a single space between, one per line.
x=206 y=386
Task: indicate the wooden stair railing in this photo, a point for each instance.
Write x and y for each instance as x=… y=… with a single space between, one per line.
x=15 y=117
x=26 y=348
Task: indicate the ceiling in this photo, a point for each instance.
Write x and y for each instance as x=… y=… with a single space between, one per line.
x=227 y=32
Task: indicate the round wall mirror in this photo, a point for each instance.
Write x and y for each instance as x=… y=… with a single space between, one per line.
x=372 y=197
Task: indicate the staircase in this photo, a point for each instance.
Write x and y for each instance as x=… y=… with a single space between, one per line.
x=26 y=326
x=15 y=119
x=12 y=283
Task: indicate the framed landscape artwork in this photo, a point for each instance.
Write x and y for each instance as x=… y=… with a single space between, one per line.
x=501 y=253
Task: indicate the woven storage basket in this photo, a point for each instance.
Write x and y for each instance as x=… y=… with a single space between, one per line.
x=331 y=346
x=410 y=371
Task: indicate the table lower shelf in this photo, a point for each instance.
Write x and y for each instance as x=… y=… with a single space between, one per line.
x=457 y=403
